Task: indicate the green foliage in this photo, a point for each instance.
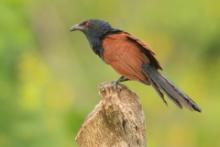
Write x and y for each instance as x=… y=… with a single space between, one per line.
x=49 y=76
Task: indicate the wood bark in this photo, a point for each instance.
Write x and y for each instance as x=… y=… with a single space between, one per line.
x=116 y=121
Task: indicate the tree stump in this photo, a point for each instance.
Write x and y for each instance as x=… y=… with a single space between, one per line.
x=116 y=121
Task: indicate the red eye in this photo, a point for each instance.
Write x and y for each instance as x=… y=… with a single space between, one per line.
x=85 y=23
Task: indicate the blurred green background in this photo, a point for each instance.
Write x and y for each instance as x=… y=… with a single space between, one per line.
x=49 y=76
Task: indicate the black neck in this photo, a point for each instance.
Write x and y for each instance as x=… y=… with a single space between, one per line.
x=95 y=44
x=96 y=41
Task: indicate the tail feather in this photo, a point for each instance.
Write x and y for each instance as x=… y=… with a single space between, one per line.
x=156 y=87
x=160 y=84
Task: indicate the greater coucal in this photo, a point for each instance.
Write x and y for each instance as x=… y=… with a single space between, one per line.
x=131 y=58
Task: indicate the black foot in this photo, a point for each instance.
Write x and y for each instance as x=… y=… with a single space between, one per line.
x=116 y=83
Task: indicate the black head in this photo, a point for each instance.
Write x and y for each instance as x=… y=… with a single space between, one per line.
x=93 y=27
x=94 y=30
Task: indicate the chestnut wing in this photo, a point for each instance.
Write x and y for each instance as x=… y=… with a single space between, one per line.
x=146 y=50
x=124 y=56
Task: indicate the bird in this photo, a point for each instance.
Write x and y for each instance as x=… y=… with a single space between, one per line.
x=132 y=58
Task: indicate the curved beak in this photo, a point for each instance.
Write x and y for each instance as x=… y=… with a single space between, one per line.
x=76 y=27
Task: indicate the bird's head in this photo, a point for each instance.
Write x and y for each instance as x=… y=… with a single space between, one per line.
x=93 y=27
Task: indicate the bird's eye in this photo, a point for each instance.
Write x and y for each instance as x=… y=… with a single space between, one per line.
x=85 y=23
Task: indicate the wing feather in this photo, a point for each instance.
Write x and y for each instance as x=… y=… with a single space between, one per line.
x=146 y=49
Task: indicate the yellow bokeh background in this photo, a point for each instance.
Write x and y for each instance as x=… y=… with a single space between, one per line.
x=49 y=76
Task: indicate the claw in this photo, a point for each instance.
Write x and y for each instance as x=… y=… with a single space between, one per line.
x=115 y=85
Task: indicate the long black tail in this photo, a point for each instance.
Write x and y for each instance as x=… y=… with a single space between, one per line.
x=161 y=84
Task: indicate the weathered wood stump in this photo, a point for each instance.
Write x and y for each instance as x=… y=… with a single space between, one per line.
x=117 y=121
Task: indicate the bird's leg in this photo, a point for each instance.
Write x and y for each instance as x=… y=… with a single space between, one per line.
x=121 y=79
